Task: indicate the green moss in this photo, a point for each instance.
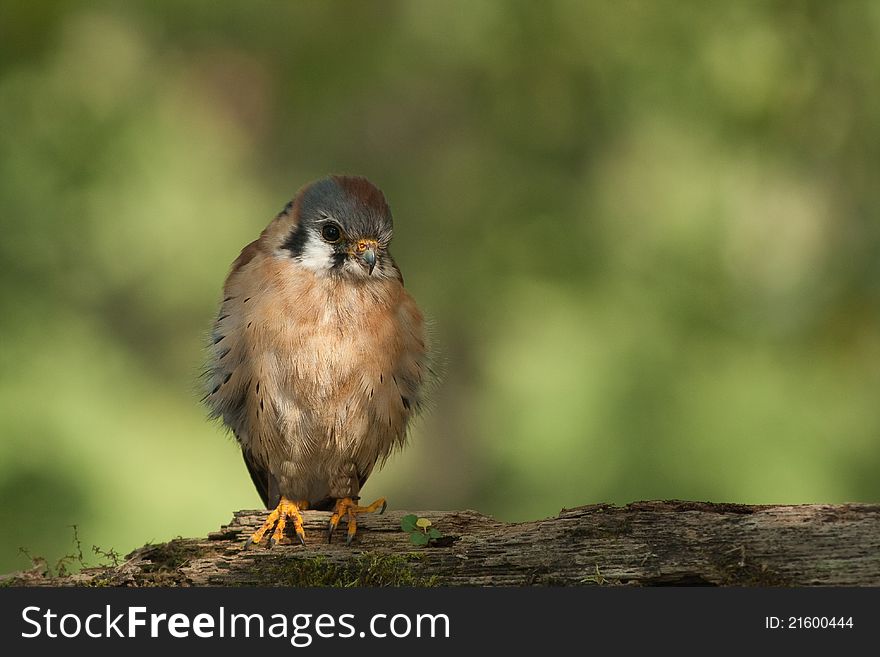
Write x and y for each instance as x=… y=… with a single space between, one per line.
x=160 y=564
x=167 y=556
x=364 y=570
x=101 y=581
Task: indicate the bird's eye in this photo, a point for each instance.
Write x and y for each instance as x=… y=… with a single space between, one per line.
x=331 y=233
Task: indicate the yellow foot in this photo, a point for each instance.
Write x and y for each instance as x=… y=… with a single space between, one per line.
x=348 y=507
x=278 y=519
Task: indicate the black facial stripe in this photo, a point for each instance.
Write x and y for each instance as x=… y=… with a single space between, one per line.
x=339 y=259
x=296 y=241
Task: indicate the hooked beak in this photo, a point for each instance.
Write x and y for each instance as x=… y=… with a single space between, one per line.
x=369 y=257
x=366 y=249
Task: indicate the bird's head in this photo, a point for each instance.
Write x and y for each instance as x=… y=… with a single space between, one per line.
x=341 y=226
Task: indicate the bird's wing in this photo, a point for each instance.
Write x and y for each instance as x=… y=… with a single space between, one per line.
x=264 y=482
x=230 y=378
x=227 y=370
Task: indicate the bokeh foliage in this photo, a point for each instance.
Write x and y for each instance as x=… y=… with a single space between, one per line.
x=647 y=233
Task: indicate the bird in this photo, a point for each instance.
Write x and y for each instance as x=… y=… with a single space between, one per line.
x=318 y=357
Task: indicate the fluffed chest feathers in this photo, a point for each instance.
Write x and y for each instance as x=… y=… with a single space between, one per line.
x=342 y=361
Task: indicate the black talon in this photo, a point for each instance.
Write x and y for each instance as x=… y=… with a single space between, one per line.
x=384 y=506
x=349 y=539
x=302 y=539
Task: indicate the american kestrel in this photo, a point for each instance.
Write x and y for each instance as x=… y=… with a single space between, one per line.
x=318 y=354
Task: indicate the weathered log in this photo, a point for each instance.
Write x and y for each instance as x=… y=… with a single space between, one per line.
x=644 y=544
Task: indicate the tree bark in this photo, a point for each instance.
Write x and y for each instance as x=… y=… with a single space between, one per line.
x=643 y=544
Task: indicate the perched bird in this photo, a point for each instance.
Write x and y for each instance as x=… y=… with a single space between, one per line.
x=318 y=354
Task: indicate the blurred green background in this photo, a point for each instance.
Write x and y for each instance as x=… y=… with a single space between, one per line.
x=647 y=234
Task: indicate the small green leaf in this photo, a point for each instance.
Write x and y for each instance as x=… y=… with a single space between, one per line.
x=423 y=522
x=408 y=523
x=434 y=533
x=418 y=538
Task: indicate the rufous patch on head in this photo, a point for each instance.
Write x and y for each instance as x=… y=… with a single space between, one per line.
x=365 y=192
